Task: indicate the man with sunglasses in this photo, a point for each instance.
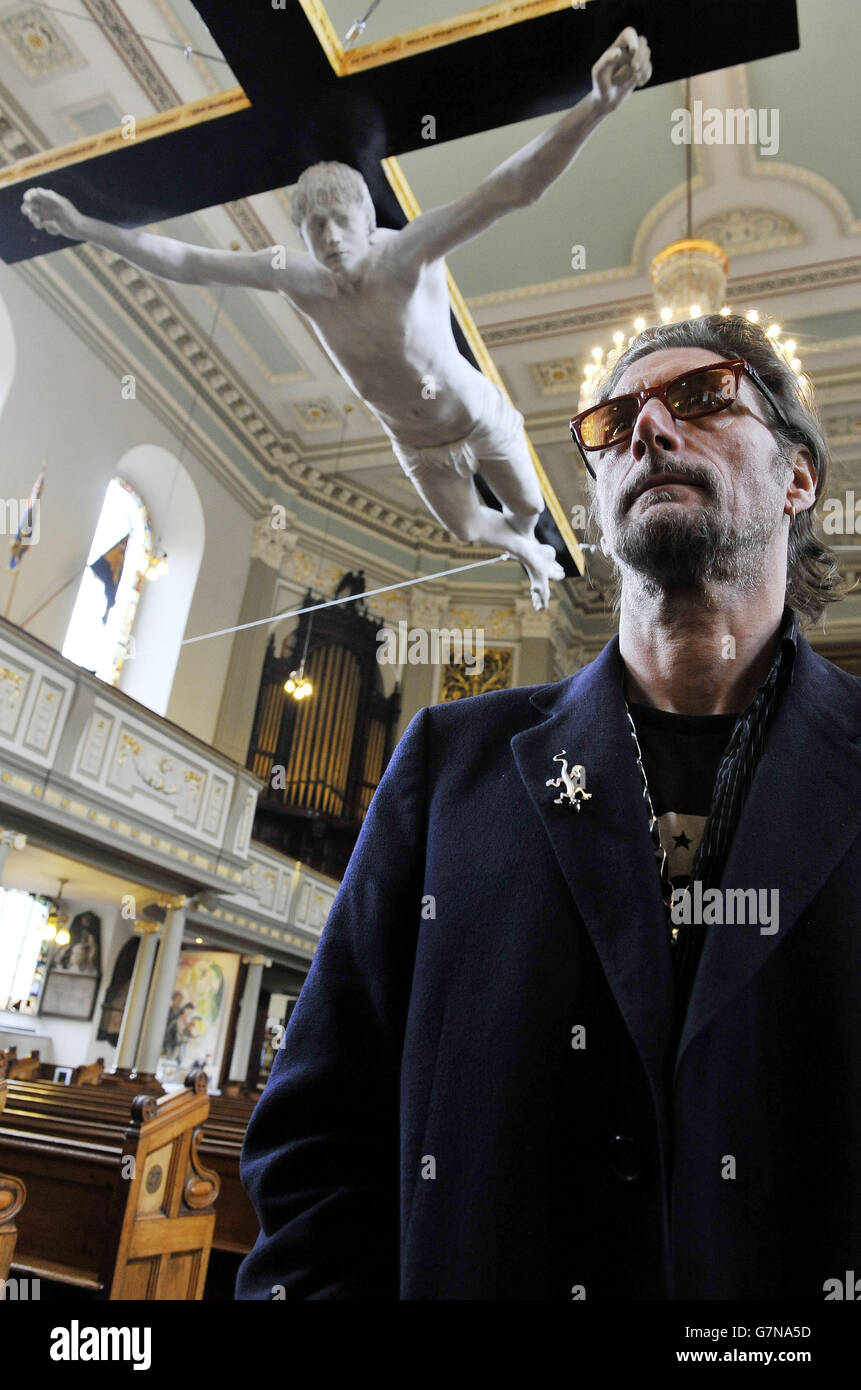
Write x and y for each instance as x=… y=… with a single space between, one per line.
x=516 y=1070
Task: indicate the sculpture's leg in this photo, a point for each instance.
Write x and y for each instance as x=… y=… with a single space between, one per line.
x=455 y=503
x=499 y=444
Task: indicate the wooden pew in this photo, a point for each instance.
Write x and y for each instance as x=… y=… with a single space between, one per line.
x=24 y=1068
x=13 y=1194
x=52 y=1107
x=236 y=1224
x=119 y=1200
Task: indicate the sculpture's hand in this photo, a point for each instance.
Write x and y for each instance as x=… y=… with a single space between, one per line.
x=624 y=66
x=51 y=212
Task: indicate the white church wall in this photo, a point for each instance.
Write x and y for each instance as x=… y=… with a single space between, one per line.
x=66 y=407
x=163 y=610
x=201 y=667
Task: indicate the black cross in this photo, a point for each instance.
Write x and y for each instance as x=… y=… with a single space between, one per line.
x=301 y=111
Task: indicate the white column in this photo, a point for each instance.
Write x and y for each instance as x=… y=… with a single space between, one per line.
x=163 y=979
x=130 y=1027
x=247 y=1013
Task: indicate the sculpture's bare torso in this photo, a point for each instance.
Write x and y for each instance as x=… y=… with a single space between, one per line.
x=428 y=393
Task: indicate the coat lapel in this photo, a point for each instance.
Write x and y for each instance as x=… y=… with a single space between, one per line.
x=801 y=815
x=604 y=850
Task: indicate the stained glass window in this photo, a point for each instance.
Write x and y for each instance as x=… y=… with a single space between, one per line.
x=99 y=634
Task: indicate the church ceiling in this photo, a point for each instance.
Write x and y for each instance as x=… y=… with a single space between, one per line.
x=791 y=223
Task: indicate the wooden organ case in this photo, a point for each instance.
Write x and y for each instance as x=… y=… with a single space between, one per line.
x=321 y=758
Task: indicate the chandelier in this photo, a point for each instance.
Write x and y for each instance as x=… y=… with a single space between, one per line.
x=688 y=280
x=297 y=685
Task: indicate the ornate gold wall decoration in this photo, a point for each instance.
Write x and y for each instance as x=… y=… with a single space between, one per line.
x=459 y=681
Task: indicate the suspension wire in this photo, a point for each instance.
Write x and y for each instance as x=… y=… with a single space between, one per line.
x=352 y=598
x=185 y=48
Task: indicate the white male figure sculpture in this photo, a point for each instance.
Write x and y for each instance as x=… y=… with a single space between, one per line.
x=378 y=302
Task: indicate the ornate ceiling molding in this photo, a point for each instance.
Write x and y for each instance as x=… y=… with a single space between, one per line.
x=742 y=230
x=134 y=53
x=826 y=275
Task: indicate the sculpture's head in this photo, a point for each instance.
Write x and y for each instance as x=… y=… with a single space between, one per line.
x=333 y=210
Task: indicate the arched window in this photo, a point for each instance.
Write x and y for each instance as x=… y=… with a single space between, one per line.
x=23 y=949
x=100 y=628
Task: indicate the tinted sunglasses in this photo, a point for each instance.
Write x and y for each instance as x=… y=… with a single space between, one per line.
x=698 y=392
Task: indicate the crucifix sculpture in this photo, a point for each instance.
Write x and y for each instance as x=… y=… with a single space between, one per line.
x=378 y=302
x=390 y=284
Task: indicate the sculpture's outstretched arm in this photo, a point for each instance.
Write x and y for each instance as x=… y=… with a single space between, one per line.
x=526 y=175
x=160 y=255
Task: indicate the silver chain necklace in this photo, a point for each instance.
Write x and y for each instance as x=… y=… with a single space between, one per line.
x=667 y=890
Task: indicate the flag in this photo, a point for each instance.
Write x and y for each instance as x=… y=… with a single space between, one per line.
x=23 y=538
x=108 y=569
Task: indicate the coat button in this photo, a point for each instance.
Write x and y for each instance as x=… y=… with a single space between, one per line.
x=625 y=1160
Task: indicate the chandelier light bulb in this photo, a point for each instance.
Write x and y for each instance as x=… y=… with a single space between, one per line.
x=666 y=313
x=752 y=316
x=696 y=311
x=298 y=685
x=639 y=324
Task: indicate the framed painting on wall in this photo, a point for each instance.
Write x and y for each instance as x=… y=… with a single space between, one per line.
x=200 y=1008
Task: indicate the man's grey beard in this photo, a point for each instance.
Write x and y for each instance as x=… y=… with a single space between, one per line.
x=690 y=550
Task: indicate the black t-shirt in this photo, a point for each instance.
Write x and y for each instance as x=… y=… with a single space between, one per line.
x=681 y=755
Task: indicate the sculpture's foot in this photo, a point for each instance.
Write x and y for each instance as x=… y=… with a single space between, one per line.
x=541 y=566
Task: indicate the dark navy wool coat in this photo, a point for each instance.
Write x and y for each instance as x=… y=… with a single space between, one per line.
x=428 y=1130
